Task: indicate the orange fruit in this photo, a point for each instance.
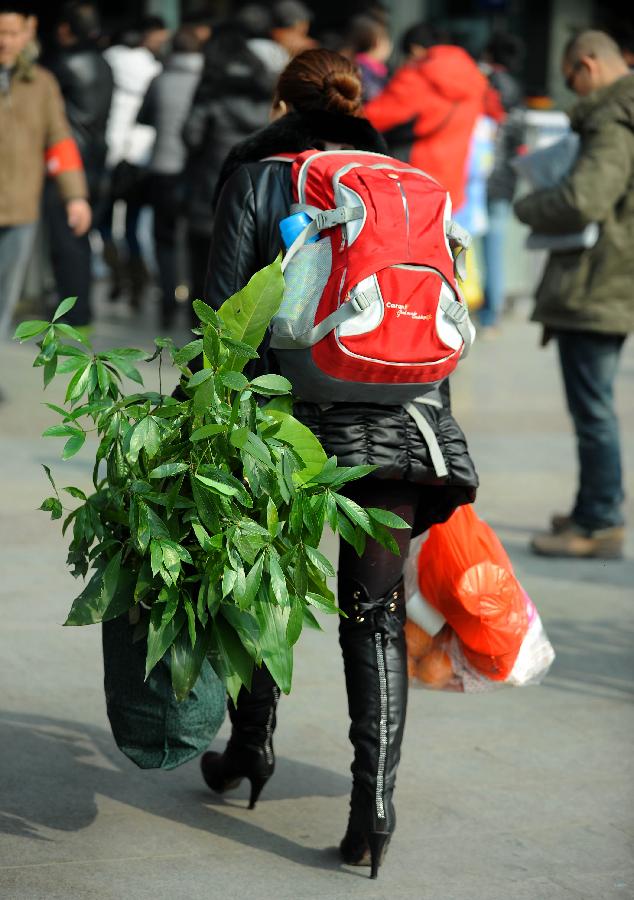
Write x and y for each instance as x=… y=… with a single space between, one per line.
x=418 y=641
x=435 y=669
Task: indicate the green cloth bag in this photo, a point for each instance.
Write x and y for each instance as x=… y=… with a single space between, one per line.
x=149 y=725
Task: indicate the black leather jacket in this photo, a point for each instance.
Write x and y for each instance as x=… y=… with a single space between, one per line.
x=255 y=195
x=85 y=79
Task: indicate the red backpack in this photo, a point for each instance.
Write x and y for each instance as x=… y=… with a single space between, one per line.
x=372 y=311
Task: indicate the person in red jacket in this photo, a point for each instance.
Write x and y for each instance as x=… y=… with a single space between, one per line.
x=430 y=107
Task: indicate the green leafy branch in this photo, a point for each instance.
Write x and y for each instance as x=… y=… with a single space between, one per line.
x=207 y=508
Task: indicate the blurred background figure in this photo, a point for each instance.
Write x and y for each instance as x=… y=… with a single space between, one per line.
x=501 y=58
x=232 y=101
x=86 y=83
x=165 y=108
x=134 y=63
x=34 y=127
x=430 y=107
x=278 y=35
x=370 y=46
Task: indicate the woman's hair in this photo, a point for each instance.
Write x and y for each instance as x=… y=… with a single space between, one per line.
x=321 y=80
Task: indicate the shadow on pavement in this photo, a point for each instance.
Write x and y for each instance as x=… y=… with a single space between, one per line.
x=592 y=657
x=53 y=769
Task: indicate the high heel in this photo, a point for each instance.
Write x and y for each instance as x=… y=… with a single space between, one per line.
x=375 y=663
x=225 y=771
x=249 y=752
x=378 y=842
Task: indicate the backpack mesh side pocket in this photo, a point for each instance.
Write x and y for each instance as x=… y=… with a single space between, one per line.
x=305 y=279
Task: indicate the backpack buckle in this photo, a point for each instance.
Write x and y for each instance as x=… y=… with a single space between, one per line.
x=360 y=301
x=457 y=312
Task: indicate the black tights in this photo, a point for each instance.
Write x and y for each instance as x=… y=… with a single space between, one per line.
x=379 y=569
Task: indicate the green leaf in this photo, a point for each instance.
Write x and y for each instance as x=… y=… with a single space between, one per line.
x=168 y=469
x=199 y=377
x=99 y=601
x=271 y=384
x=385 y=517
x=144 y=532
x=62 y=431
x=234 y=380
x=355 y=512
x=103 y=376
x=282 y=403
x=27 y=330
x=272 y=517
x=128 y=369
x=256 y=448
x=205 y=313
x=75 y=492
x=158 y=528
x=207 y=431
x=349 y=533
x=78 y=383
x=386 y=539
x=191 y=620
x=73 y=445
x=50 y=370
x=156 y=557
x=239 y=437
x=144 y=580
x=319 y=561
x=303 y=442
x=64 y=307
x=239 y=348
x=295 y=621
x=253 y=582
x=228 y=581
x=278 y=581
x=73 y=333
x=190 y=351
x=276 y=652
x=229 y=657
x=186 y=663
x=220 y=487
x=321 y=602
x=161 y=637
x=203 y=538
x=246 y=627
x=146 y=436
x=49 y=476
x=54 y=506
x=247 y=314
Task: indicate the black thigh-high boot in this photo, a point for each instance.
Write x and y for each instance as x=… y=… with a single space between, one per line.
x=375 y=661
x=249 y=751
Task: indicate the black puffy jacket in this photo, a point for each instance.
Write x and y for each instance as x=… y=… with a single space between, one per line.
x=255 y=195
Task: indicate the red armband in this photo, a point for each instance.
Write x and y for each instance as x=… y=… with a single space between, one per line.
x=63 y=157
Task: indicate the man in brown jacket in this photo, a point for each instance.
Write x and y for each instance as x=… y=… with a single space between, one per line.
x=34 y=133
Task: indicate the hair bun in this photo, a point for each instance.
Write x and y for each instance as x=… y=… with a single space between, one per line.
x=343 y=93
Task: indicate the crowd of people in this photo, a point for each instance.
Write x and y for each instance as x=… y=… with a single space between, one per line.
x=154 y=113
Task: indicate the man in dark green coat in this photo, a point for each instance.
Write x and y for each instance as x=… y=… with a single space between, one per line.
x=586 y=297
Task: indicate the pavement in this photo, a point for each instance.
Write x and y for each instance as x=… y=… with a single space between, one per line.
x=520 y=794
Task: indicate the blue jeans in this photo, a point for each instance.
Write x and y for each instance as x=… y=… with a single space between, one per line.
x=495 y=280
x=589 y=363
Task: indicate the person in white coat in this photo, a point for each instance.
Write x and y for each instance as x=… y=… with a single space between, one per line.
x=134 y=65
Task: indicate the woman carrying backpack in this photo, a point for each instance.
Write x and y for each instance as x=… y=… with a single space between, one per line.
x=318 y=105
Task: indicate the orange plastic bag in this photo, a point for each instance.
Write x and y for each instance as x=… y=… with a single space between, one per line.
x=465 y=573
